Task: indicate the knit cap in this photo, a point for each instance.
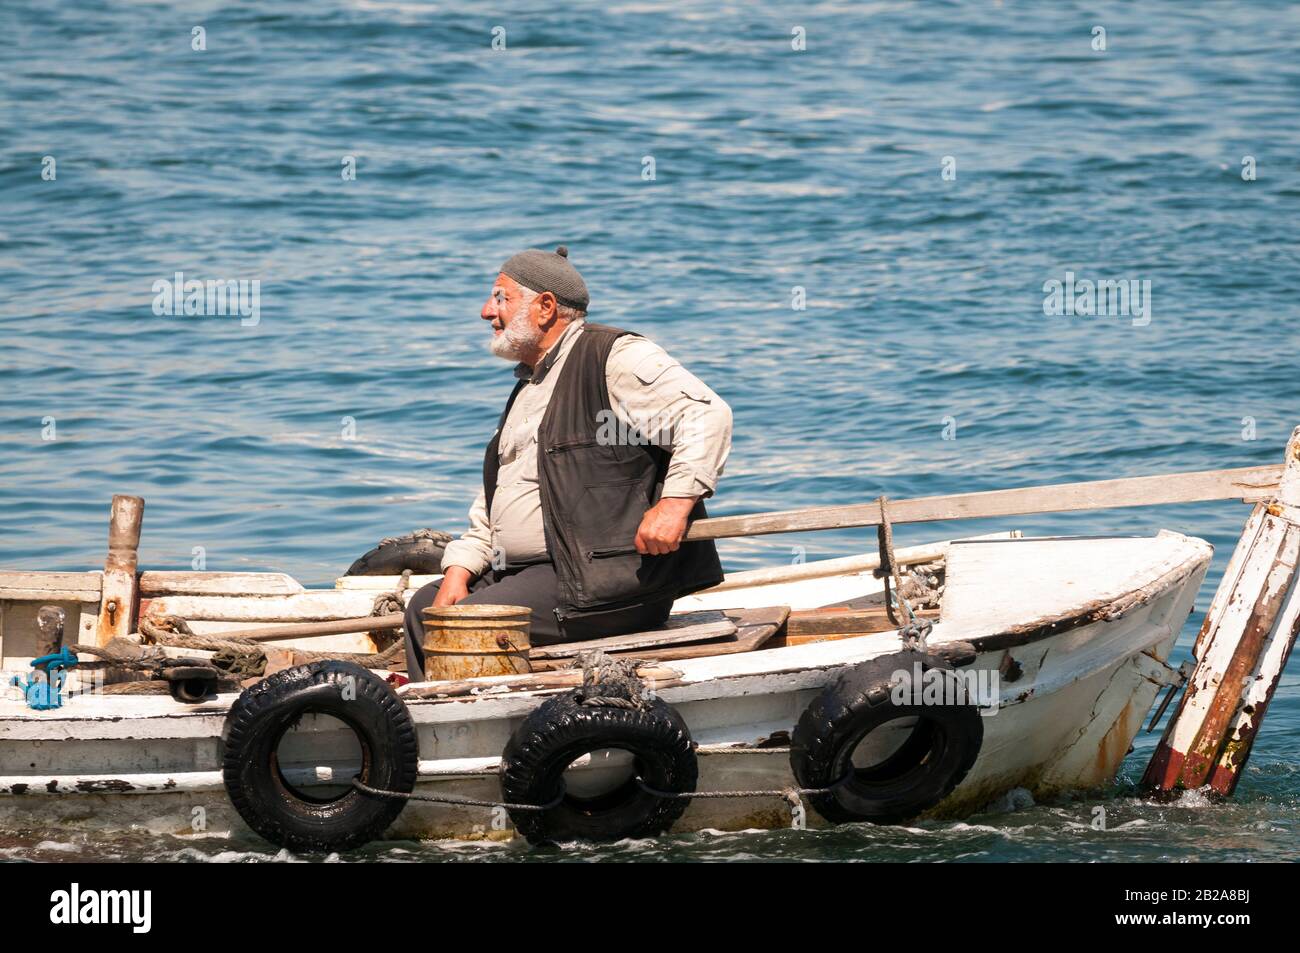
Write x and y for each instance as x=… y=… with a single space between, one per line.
x=549 y=271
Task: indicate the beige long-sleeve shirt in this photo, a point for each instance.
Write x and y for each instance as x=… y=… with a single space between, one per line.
x=649 y=391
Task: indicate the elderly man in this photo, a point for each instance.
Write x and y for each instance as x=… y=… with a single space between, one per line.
x=603 y=454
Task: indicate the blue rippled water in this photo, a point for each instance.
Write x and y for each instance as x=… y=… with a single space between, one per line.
x=773 y=169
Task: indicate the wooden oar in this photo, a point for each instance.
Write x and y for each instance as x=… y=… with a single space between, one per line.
x=1249 y=484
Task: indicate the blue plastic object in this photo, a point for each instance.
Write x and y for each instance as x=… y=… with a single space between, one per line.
x=46 y=693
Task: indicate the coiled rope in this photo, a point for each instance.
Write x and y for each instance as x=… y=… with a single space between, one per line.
x=914 y=631
x=610 y=681
x=106 y=655
x=390 y=603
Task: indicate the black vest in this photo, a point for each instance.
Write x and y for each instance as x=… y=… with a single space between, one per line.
x=594 y=494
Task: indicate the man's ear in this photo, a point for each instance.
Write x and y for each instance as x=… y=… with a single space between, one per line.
x=548 y=309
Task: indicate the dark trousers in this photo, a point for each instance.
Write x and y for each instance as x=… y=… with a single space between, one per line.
x=533 y=586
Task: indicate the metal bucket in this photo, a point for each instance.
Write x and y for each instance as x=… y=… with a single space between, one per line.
x=471 y=641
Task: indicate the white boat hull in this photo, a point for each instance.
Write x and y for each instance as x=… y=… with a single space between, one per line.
x=1077 y=669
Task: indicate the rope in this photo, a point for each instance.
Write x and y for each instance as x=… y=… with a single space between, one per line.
x=371 y=660
x=791 y=795
x=455 y=799
x=785 y=793
x=111 y=656
x=609 y=681
x=388 y=603
x=915 y=631
x=204 y=643
x=609 y=701
x=435 y=535
x=146 y=687
x=174 y=631
x=154 y=663
x=235 y=658
x=240 y=665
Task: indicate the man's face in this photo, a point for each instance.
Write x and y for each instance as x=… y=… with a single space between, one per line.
x=514 y=314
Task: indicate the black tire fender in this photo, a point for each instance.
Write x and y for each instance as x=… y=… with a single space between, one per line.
x=562 y=729
x=917 y=775
x=274 y=809
x=420 y=552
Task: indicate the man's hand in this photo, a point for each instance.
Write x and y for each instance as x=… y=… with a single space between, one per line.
x=455 y=586
x=664 y=525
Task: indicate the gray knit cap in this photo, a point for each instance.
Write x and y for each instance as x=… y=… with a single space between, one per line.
x=546 y=271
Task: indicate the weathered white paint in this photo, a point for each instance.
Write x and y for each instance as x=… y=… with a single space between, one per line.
x=315 y=605
x=118 y=600
x=1231 y=575
x=177 y=583
x=377 y=584
x=1048 y=575
x=51 y=586
x=1263 y=680
x=1241 y=650
x=1218 y=650
x=1065 y=722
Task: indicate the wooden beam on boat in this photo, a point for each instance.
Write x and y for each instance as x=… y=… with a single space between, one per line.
x=816 y=625
x=755 y=628
x=716 y=627
x=749 y=638
x=300 y=630
x=844 y=565
x=1248 y=634
x=384 y=583
x=51 y=586
x=157 y=583
x=1249 y=484
x=313 y=605
x=118 y=599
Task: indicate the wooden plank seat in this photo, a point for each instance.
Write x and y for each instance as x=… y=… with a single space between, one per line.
x=743 y=630
x=832 y=623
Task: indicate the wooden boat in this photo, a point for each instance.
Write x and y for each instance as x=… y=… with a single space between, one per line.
x=1079 y=630
x=1064 y=640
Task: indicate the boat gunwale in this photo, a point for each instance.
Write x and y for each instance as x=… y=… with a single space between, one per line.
x=1199 y=552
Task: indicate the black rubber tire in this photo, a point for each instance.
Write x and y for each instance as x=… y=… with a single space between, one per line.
x=915 y=777
x=560 y=730
x=420 y=552
x=265 y=711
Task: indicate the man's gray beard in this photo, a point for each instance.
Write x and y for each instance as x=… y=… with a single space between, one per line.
x=520 y=340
